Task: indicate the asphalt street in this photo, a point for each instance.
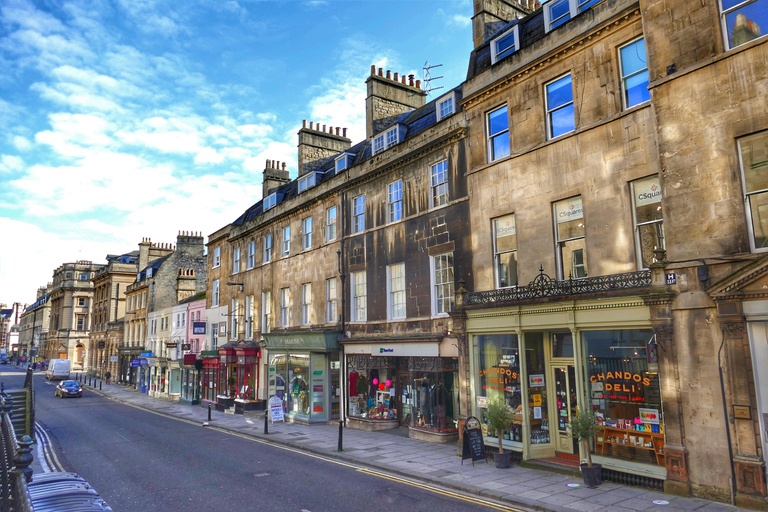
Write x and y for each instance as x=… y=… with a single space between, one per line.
x=139 y=461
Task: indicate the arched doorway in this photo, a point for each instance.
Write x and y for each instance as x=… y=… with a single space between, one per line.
x=79 y=349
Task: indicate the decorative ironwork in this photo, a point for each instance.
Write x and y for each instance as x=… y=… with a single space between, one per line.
x=544 y=286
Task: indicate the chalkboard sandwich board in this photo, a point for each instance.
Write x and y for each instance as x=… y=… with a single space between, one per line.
x=473 y=446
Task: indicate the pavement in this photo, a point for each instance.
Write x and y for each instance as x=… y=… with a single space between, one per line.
x=428 y=463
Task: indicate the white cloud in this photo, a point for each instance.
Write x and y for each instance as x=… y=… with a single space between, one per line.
x=22 y=143
x=208 y=156
x=10 y=163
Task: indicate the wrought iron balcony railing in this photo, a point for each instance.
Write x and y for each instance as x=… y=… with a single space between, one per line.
x=544 y=286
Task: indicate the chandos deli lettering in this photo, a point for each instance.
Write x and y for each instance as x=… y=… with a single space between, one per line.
x=496 y=375
x=626 y=382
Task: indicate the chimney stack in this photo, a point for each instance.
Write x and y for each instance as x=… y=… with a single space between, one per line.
x=273 y=177
x=492 y=15
x=388 y=99
x=315 y=146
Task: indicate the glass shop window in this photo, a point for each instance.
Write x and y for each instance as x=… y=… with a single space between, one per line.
x=432 y=401
x=537 y=388
x=372 y=392
x=499 y=378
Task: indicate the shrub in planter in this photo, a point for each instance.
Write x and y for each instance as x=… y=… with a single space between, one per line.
x=500 y=418
x=583 y=428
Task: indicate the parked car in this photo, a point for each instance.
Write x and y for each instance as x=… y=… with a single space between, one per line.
x=68 y=388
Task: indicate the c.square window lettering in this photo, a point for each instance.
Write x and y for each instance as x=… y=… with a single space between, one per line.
x=498 y=134
x=359 y=296
x=216 y=256
x=330 y=224
x=396 y=291
x=358 y=214
x=570 y=239
x=395 y=201
x=649 y=221
x=286 y=240
x=267 y=248
x=753 y=160
x=505 y=251
x=560 y=115
x=439 y=184
x=634 y=73
x=505 y=45
x=743 y=21
x=442 y=284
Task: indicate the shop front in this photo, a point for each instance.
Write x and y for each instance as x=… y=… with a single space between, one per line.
x=174 y=374
x=128 y=369
x=411 y=384
x=299 y=373
x=546 y=363
x=191 y=381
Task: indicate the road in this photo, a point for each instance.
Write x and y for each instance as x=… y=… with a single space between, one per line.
x=139 y=461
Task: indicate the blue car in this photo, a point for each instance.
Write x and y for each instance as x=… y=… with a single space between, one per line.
x=68 y=388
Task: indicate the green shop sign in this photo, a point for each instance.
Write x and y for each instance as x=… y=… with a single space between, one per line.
x=295 y=341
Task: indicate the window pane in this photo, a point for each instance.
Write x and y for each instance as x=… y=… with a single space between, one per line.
x=574 y=263
x=583 y=6
x=758 y=205
x=507 y=269
x=559 y=93
x=500 y=146
x=505 y=46
x=497 y=121
x=569 y=218
x=647 y=199
x=504 y=230
x=559 y=13
x=563 y=121
x=754 y=158
x=744 y=24
x=633 y=57
x=650 y=236
x=636 y=89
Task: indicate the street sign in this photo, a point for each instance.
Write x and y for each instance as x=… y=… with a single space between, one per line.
x=112 y=359
x=135 y=362
x=276 y=409
x=671 y=278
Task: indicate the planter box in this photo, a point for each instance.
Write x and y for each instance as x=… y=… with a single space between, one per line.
x=241 y=406
x=432 y=437
x=372 y=425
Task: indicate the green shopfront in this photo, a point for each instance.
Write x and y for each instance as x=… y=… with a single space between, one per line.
x=304 y=372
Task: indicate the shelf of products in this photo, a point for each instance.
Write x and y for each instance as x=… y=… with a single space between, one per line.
x=623 y=438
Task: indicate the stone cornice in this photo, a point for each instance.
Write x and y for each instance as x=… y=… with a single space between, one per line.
x=552 y=57
x=554 y=309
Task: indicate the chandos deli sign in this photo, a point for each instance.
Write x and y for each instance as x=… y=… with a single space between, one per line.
x=620 y=385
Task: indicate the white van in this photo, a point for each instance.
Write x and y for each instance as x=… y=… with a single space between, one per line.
x=58 y=369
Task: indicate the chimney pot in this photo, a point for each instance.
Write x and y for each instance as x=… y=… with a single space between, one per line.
x=389 y=75
x=381 y=72
x=311 y=125
x=304 y=123
x=418 y=84
x=410 y=80
x=283 y=165
x=344 y=131
x=373 y=69
x=323 y=128
x=397 y=77
x=337 y=131
x=402 y=79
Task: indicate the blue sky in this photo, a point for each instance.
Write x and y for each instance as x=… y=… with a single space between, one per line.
x=132 y=118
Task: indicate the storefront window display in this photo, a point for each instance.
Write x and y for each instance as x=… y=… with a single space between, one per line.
x=625 y=396
x=537 y=387
x=210 y=378
x=300 y=386
x=372 y=387
x=499 y=378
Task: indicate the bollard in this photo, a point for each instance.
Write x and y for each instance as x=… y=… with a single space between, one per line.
x=266 y=422
x=209 y=409
x=341 y=435
x=99 y=385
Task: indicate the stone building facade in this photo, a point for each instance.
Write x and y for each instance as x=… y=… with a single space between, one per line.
x=70 y=321
x=34 y=324
x=617 y=240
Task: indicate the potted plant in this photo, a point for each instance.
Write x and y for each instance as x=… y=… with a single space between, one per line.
x=500 y=418
x=583 y=428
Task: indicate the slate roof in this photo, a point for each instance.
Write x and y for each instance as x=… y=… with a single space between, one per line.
x=195 y=297
x=416 y=122
x=39 y=302
x=6 y=313
x=154 y=265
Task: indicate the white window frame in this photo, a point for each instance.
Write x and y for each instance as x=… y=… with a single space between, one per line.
x=747 y=194
x=216 y=257
x=560 y=244
x=251 y=256
x=306 y=304
x=330 y=227
x=286 y=247
x=331 y=301
x=266 y=311
x=248 y=317
x=497 y=254
x=624 y=99
x=233 y=314
x=396 y=296
x=359 y=293
x=307 y=182
x=492 y=136
x=443 y=113
x=306 y=237
x=574 y=8
x=215 y=293
x=267 y=248
x=724 y=22
x=638 y=243
x=386 y=140
x=235 y=260
x=435 y=285
x=438 y=191
x=550 y=134
x=395 y=202
x=285 y=307
x=340 y=163
x=515 y=31
x=358 y=214
x=270 y=201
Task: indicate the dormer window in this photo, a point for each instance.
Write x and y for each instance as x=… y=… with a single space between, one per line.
x=307 y=182
x=506 y=44
x=342 y=162
x=270 y=201
x=386 y=140
x=558 y=12
x=446 y=105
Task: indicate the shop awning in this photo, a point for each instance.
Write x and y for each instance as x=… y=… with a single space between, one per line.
x=325 y=341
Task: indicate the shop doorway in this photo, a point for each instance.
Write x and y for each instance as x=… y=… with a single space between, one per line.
x=566 y=408
x=405 y=401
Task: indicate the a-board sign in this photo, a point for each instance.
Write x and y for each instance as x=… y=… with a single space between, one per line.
x=276 y=409
x=473 y=446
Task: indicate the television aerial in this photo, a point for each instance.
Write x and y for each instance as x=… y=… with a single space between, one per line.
x=427 y=78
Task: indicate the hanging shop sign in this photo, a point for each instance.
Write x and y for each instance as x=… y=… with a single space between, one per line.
x=171 y=345
x=186 y=346
x=198 y=327
x=102 y=344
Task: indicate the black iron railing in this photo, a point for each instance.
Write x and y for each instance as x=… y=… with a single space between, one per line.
x=544 y=286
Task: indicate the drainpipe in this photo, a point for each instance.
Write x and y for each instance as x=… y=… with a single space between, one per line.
x=727 y=426
x=343 y=277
